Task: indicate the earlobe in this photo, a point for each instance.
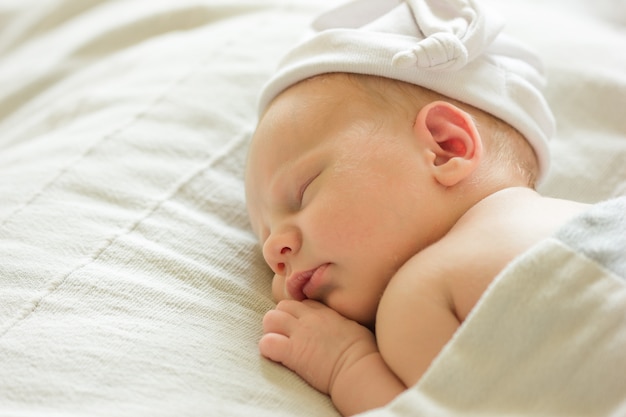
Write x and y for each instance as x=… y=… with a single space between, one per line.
x=452 y=143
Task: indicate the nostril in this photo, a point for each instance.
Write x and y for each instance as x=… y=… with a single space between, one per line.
x=280 y=267
x=285 y=250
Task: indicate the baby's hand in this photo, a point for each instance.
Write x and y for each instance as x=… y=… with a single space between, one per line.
x=314 y=341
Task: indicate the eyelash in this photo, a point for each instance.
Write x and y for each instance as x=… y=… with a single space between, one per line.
x=304 y=187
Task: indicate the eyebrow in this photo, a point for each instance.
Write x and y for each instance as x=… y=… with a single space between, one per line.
x=290 y=169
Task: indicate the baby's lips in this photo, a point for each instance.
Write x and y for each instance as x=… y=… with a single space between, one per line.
x=296 y=283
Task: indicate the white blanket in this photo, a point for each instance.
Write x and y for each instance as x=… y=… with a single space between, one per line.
x=130 y=283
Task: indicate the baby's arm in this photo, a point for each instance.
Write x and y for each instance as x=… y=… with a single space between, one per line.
x=417 y=316
x=335 y=355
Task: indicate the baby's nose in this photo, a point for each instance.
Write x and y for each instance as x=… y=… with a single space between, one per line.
x=278 y=249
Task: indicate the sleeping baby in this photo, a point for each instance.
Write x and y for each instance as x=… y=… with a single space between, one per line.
x=390 y=179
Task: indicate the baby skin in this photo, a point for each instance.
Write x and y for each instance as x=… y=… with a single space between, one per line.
x=383 y=229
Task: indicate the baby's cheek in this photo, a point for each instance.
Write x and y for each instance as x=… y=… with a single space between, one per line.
x=278 y=288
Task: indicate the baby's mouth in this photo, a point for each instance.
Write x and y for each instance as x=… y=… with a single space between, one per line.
x=299 y=285
x=296 y=283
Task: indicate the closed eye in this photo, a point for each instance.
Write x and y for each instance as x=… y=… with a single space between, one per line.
x=304 y=187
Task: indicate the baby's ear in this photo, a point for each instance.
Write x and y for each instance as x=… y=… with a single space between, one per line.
x=453 y=145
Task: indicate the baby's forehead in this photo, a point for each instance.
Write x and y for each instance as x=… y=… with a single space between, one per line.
x=320 y=107
x=300 y=104
x=337 y=88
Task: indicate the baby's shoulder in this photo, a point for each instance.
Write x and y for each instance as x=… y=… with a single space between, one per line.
x=476 y=256
x=479 y=249
x=457 y=269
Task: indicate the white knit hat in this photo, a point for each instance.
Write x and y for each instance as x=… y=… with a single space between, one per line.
x=453 y=47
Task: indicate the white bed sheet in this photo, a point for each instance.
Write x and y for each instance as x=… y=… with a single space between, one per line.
x=130 y=283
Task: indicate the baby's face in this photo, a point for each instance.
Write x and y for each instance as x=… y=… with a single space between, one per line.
x=334 y=195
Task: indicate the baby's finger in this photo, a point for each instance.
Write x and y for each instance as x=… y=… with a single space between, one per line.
x=277 y=321
x=274 y=346
x=298 y=308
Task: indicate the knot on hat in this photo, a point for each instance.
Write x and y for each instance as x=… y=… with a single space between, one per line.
x=439 y=51
x=447 y=34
